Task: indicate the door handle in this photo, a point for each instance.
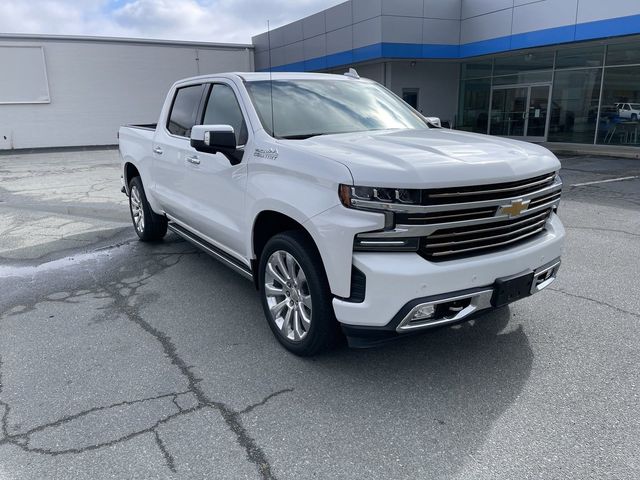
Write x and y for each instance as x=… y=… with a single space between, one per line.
x=157 y=150
x=193 y=160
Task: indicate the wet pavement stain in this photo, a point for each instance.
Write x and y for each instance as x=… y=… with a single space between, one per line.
x=123 y=298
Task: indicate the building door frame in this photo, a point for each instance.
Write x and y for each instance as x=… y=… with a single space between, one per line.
x=412 y=92
x=530 y=110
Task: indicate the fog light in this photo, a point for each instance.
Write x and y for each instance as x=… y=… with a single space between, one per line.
x=424 y=312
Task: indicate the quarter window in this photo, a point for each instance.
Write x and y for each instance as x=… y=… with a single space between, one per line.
x=223 y=109
x=184 y=110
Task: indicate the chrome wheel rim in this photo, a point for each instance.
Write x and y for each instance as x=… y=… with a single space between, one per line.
x=288 y=296
x=137 y=212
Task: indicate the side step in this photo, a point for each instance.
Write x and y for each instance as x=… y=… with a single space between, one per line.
x=212 y=250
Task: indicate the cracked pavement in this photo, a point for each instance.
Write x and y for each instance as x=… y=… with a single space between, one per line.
x=127 y=360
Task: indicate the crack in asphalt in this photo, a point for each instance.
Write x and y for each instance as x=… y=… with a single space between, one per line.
x=602 y=229
x=123 y=295
x=167 y=455
x=264 y=400
x=598 y=302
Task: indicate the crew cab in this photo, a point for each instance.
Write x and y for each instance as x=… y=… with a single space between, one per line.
x=352 y=213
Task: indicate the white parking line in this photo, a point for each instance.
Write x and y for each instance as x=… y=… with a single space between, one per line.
x=605 y=181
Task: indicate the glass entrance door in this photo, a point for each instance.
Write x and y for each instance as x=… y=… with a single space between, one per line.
x=520 y=112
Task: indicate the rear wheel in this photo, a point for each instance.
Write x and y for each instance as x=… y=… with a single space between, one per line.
x=634 y=117
x=295 y=295
x=148 y=225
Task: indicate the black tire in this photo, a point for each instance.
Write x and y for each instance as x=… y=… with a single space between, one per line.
x=634 y=117
x=153 y=227
x=323 y=333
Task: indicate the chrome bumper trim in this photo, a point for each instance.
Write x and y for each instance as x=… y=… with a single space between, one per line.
x=545 y=277
x=478 y=301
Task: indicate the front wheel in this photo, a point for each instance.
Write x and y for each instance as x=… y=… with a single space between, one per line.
x=295 y=295
x=148 y=225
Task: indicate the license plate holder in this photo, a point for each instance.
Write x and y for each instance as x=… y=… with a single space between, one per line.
x=510 y=289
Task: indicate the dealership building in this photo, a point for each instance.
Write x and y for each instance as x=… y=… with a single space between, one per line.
x=557 y=71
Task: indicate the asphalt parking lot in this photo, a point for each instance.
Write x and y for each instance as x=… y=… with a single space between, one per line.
x=127 y=360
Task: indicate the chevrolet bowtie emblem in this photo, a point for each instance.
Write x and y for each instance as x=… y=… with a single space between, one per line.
x=515 y=209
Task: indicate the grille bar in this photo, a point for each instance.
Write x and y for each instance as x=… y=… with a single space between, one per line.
x=546 y=199
x=498 y=189
x=444 y=217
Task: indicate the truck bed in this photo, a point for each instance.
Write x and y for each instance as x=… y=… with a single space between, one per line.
x=136 y=143
x=143 y=126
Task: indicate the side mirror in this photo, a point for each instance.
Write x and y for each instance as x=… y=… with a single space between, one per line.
x=434 y=121
x=213 y=138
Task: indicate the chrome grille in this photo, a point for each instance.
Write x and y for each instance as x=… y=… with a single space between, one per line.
x=466 y=221
x=478 y=193
x=450 y=242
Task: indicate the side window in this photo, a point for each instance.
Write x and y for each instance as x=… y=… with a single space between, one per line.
x=223 y=109
x=184 y=110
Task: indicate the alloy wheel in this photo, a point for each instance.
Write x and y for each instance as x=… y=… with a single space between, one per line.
x=288 y=296
x=137 y=211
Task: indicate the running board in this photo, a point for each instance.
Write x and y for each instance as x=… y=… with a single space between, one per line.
x=212 y=250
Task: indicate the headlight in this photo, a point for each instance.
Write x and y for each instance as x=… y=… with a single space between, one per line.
x=350 y=196
x=374 y=199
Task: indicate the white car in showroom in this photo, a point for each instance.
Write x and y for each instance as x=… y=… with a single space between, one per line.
x=629 y=111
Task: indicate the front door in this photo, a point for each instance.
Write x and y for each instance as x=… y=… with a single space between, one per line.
x=520 y=112
x=216 y=183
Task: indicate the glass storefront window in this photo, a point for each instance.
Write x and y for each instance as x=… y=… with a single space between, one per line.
x=508 y=108
x=595 y=96
x=481 y=68
x=474 y=112
x=580 y=57
x=574 y=106
x=620 y=111
x=623 y=54
x=514 y=64
x=524 y=77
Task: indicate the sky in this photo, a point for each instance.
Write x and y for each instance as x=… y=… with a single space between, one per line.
x=234 y=21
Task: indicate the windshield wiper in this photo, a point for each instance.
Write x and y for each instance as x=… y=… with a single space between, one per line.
x=302 y=136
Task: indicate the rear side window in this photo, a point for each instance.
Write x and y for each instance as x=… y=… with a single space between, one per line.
x=223 y=109
x=184 y=110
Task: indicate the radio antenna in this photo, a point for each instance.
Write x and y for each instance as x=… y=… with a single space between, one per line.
x=273 y=123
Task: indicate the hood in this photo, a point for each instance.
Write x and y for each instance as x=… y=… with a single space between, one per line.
x=430 y=158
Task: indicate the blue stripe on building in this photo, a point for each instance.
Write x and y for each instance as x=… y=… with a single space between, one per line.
x=551 y=36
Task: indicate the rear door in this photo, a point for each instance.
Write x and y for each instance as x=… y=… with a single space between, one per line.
x=170 y=149
x=216 y=186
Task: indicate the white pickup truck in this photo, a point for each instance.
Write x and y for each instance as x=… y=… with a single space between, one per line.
x=351 y=212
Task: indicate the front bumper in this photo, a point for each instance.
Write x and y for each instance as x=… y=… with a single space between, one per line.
x=395 y=281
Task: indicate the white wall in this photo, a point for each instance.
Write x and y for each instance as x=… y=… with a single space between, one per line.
x=438 y=83
x=96 y=86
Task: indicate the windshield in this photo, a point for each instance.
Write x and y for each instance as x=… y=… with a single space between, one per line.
x=306 y=108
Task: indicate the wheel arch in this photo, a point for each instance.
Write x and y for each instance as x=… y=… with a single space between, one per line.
x=130 y=172
x=266 y=225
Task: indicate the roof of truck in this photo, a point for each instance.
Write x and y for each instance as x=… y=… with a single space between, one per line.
x=262 y=76
x=259 y=76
